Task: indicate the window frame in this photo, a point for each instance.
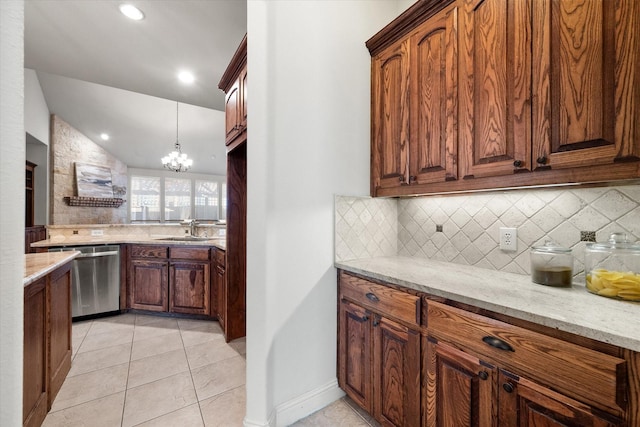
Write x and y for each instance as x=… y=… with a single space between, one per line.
x=221 y=180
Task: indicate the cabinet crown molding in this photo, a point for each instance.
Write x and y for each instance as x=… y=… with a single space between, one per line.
x=405 y=23
x=238 y=61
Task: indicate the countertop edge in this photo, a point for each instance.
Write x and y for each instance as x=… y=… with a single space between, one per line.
x=39 y=265
x=426 y=276
x=122 y=240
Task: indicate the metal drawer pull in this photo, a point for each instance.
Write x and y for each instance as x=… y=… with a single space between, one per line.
x=508 y=387
x=372 y=297
x=497 y=343
x=483 y=375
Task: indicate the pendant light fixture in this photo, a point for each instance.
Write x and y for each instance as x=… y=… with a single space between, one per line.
x=177 y=161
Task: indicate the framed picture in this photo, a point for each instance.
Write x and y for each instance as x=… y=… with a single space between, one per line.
x=93 y=181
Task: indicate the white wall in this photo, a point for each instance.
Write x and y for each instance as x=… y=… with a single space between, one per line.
x=12 y=158
x=36 y=112
x=308 y=140
x=36 y=124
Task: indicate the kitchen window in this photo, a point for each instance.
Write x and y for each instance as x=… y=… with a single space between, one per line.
x=158 y=198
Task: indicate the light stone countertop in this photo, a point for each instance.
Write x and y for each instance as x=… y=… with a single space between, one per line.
x=218 y=242
x=39 y=265
x=568 y=309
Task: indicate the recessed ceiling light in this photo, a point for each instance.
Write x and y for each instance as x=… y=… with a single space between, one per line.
x=131 y=12
x=104 y=136
x=186 y=77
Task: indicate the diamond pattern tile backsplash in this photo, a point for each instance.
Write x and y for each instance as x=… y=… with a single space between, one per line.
x=470 y=224
x=365 y=227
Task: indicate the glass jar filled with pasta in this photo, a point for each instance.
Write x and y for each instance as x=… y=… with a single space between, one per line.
x=612 y=269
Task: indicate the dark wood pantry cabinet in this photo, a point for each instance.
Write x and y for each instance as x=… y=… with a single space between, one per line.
x=234 y=84
x=414 y=359
x=479 y=94
x=379 y=350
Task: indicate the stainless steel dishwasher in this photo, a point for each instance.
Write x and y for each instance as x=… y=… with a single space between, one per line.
x=95 y=280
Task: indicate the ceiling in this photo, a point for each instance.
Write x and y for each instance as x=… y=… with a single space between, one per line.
x=102 y=72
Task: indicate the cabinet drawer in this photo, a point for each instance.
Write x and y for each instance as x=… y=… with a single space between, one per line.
x=149 y=251
x=219 y=256
x=199 y=254
x=576 y=371
x=381 y=299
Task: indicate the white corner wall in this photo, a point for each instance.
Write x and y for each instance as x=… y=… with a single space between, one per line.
x=309 y=106
x=12 y=158
x=36 y=111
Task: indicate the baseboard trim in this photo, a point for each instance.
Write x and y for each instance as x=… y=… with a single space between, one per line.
x=295 y=409
x=270 y=422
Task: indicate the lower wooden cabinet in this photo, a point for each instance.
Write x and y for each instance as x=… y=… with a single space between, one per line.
x=219 y=288
x=47 y=342
x=149 y=284
x=445 y=364
x=379 y=357
x=36 y=340
x=170 y=279
x=60 y=348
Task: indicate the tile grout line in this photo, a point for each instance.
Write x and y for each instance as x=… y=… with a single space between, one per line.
x=184 y=349
x=126 y=385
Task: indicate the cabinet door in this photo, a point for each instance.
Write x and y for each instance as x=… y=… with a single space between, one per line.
x=149 y=285
x=396 y=373
x=526 y=404
x=586 y=82
x=233 y=105
x=221 y=293
x=35 y=379
x=434 y=100
x=495 y=74
x=460 y=388
x=390 y=117
x=354 y=354
x=243 y=85
x=189 y=287
x=60 y=330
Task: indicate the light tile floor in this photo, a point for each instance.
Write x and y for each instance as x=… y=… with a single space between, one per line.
x=143 y=370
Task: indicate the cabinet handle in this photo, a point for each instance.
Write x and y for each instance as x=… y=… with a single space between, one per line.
x=372 y=297
x=483 y=375
x=517 y=163
x=508 y=387
x=412 y=179
x=497 y=343
x=541 y=160
x=364 y=318
x=401 y=180
x=376 y=322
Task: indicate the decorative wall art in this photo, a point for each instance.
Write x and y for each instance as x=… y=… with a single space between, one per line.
x=93 y=181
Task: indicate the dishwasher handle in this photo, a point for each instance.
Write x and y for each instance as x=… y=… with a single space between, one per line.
x=97 y=254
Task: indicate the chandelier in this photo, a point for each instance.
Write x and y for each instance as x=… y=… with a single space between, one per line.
x=177 y=161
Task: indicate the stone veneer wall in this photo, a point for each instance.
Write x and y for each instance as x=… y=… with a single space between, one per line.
x=471 y=224
x=69 y=146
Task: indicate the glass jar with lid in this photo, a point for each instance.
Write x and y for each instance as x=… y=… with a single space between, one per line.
x=551 y=264
x=612 y=269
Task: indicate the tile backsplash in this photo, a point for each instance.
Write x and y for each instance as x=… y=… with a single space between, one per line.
x=471 y=222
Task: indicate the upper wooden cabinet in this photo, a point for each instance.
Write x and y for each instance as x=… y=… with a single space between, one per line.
x=390 y=103
x=234 y=84
x=478 y=94
x=414 y=107
x=495 y=75
x=586 y=82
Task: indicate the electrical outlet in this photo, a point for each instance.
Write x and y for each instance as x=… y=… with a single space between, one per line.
x=508 y=239
x=97 y=232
